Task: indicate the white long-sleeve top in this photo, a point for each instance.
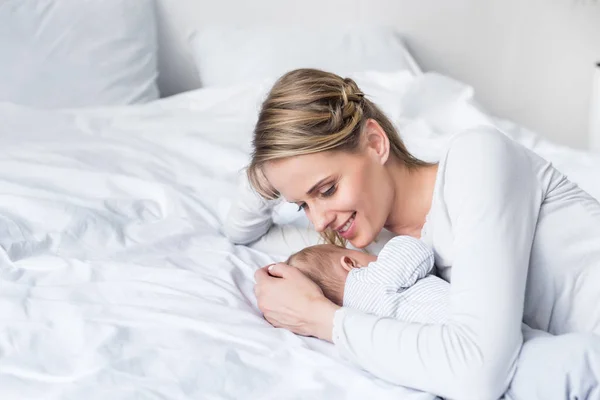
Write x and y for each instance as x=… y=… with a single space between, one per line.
x=518 y=241
x=399 y=284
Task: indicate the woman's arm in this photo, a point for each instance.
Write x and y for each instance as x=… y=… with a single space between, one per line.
x=250 y=222
x=493 y=199
x=250 y=216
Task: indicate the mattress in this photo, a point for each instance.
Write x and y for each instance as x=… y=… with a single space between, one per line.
x=115 y=279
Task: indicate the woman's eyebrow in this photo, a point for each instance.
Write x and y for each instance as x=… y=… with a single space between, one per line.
x=312 y=189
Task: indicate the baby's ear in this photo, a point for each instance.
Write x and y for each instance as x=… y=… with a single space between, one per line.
x=348 y=263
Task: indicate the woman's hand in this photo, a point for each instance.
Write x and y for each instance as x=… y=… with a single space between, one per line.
x=290 y=300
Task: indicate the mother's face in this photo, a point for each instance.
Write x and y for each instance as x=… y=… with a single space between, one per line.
x=351 y=193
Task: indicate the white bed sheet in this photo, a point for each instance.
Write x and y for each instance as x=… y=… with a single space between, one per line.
x=115 y=280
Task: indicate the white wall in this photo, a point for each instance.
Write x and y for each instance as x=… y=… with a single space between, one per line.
x=530 y=61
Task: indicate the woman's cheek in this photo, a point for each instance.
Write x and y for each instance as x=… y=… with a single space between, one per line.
x=348 y=201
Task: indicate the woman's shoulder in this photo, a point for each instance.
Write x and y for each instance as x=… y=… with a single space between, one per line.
x=481 y=139
x=485 y=150
x=484 y=162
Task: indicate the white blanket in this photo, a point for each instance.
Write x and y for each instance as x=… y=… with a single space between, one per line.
x=115 y=280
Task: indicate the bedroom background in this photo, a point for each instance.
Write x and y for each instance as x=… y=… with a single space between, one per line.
x=532 y=62
x=116 y=278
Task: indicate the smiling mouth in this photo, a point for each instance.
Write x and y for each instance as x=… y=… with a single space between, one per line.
x=348 y=224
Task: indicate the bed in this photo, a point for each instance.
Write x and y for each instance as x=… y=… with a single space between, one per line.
x=116 y=281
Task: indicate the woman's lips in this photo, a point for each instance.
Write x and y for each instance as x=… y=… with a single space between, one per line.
x=347 y=230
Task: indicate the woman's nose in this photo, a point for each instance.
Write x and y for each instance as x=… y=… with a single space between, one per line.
x=321 y=219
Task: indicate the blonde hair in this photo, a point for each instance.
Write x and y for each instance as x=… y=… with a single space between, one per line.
x=309 y=111
x=315 y=263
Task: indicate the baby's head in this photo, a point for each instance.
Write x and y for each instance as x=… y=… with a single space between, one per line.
x=328 y=266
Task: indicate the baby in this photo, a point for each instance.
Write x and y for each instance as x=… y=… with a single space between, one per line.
x=398 y=283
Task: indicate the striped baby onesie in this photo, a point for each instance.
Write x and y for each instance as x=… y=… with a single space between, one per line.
x=399 y=284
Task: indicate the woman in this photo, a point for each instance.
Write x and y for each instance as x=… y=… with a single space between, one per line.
x=516 y=239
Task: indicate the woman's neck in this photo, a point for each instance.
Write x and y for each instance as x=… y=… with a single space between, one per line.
x=413 y=194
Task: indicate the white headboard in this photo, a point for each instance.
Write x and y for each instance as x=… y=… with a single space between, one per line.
x=529 y=61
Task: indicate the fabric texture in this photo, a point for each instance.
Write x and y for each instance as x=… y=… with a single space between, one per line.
x=399 y=284
x=557 y=367
x=115 y=275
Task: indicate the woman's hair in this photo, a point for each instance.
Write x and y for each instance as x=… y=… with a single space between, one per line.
x=315 y=263
x=309 y=111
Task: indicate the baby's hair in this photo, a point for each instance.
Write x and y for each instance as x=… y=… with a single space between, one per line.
x=314 y=262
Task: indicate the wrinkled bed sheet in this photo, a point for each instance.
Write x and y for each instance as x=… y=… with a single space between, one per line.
x=116 y=282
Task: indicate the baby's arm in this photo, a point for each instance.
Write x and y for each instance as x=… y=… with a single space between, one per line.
x=397 y=286
x=402 y=262
x=425 y=302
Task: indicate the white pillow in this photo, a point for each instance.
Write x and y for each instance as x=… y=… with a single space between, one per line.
x=225 y=56
x=74 y=53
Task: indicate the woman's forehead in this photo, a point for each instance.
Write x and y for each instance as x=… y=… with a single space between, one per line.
x=314 y=161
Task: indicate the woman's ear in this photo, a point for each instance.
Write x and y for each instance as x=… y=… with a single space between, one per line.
x=348 y=263
x=377 y=141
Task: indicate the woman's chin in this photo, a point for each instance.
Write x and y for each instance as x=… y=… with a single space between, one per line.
x=360 y=241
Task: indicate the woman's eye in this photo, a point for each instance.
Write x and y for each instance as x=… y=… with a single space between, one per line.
x=302 y=206
x=329 y=192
